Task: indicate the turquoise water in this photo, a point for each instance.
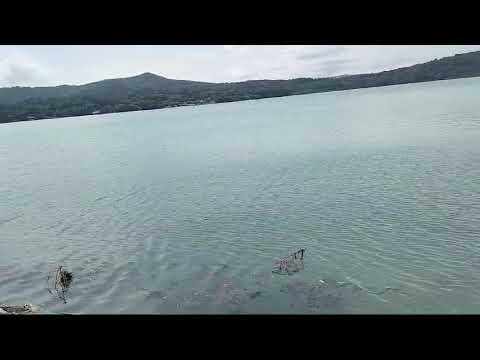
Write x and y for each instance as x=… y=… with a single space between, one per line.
x=185 y=210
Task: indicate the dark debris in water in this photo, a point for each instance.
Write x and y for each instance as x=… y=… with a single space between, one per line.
x=322 y=296
x=254 y=294
x=59 y=282
x=329 y=295
x=290 y=264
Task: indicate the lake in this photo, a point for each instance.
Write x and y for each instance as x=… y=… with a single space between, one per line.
x=186 y=210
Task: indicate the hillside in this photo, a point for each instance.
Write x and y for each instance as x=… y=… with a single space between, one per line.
x=150 y=91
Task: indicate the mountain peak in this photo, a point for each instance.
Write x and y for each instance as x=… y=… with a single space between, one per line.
x=149 y=75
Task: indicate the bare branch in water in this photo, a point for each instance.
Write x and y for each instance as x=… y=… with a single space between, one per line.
x=290 y=264
x=61 y=284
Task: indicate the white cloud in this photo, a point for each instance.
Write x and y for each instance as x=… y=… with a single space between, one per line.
x=18 y=69
x=237 y=63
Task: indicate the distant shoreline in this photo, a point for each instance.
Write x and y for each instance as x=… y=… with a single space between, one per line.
x=235 y=101
x=148 y=91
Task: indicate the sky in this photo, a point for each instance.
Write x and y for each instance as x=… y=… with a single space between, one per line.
x=42 y=65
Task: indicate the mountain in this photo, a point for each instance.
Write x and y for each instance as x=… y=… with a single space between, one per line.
x=105 y=89
x=149 y=91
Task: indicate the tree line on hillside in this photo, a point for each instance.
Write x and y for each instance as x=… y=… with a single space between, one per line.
x=149 y=91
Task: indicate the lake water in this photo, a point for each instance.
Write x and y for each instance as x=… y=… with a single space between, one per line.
x=185 y=210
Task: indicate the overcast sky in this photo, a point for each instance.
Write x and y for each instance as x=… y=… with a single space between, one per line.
x=56 y=65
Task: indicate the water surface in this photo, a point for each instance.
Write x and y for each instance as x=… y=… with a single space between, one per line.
x=185 y=210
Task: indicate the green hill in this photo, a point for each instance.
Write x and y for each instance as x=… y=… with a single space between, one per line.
x=150 y=91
